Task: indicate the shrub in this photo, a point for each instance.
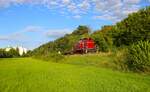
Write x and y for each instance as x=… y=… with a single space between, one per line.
x=56 y=57
x=138 y=58
x=101 y=42
x=132 y=29
x=53 y=56
x=5 y=54
x=13 y=52
x=120 y=59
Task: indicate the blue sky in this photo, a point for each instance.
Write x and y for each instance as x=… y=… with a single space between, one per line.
x=30 y=23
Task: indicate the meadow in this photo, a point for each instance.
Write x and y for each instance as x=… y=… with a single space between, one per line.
x=33 y=75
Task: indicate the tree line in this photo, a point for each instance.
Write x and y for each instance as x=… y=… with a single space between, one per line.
x=12 y=53
x=134 y=28
x=131 y=36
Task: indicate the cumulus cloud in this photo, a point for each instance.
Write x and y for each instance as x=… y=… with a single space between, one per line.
x=84 y=5
x=13 y=37
x=113 y=9
x=50 y=33
x=37 y=31
x=77 y=16
x=56 y=33
x=106 y=17
x=132 y=1
x=20 y=35
x=32 y=29
x=4 y=38
x=66 y=2
x=33 y=36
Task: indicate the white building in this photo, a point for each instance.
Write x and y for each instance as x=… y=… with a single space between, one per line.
x=7 y=49
x=19 y=48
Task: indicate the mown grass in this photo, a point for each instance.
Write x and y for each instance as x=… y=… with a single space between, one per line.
x=31 y=75
x=105 y=60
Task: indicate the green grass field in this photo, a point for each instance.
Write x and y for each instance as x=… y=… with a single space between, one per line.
x=31 y=75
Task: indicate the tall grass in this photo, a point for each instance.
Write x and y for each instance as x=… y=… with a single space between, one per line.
x=120 y=59
x=99 y=60
x=138 y=58
x=51 y=56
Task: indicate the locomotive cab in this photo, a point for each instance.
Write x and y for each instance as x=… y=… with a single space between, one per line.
x=85 y=45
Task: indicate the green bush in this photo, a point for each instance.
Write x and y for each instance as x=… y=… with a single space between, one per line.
x=4 y=54
x=132 y=29
x=13 y=53
x=120 y=59
x=56 y=57
x=138 y=57
x=53 y=56
x=101 y=42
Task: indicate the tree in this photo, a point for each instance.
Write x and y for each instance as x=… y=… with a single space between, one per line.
x=134 y=28
x=101 y=42
x=81 y=30
x=9 y=54
x=14 y=52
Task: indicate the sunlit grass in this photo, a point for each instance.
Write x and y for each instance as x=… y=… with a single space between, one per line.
x=30 y=75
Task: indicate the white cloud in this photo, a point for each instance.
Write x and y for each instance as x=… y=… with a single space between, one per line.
x=21 y=35
x=84 y=5
x=114 y=8
x=72 y=7
x=77 y=16
x=107 y=17
x=66 y=2
x=44 y=32
x=56 y=33
x=32 y=29
x=4 y=3
x=4 y=38
x=131 y=9
x=132 y=1
x=13 y=37
x=33 y=36
x=37 y=31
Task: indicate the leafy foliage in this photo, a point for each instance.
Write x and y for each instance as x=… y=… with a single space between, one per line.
x=81 y=30
x=9 y=54
x=51 y=56
x=133 y=29
x=4 y=54
x=63 y=44
x=101 y=42
x=13 y=53
x=139 y=56
x=103 y=39
x=120 y=59
x=130 y=30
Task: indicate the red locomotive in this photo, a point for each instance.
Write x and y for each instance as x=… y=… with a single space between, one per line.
x=85 y=45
